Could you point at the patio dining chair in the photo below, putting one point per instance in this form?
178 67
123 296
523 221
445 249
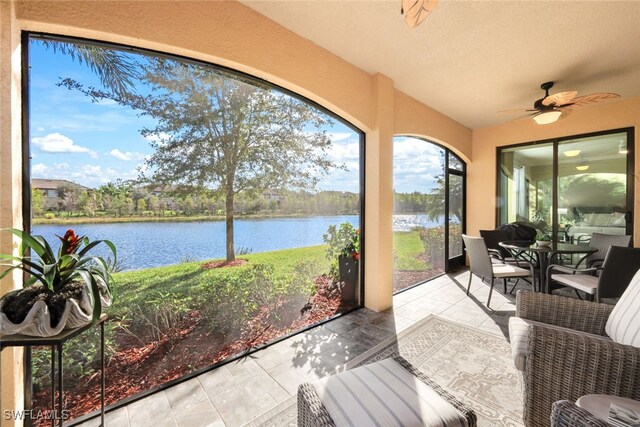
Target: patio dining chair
602 242
481 265
499 254
619 267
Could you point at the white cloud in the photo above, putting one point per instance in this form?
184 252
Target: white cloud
339 136
126 156
38 169
157 137
58 143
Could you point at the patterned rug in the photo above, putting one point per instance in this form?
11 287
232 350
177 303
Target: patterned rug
474 366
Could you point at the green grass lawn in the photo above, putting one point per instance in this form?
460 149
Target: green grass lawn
186 280
406 247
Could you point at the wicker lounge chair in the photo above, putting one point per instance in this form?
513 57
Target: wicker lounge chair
567 348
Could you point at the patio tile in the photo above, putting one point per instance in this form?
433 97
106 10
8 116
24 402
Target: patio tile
236 406
152 410
115 418
203 414
264 384
186 395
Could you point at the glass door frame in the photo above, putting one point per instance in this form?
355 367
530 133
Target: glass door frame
630 132
454 262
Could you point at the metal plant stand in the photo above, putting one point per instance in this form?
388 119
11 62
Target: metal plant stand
56 343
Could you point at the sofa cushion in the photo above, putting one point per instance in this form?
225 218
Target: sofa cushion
519 338
623 324
384 393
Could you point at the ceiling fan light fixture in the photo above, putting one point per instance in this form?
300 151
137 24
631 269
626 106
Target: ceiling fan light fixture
547 117
572 153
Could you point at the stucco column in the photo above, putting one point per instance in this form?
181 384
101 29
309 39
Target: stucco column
379 199
11 366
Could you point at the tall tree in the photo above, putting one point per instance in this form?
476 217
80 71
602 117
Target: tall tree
217 131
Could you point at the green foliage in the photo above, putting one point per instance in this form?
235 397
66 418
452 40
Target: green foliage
342 241
71 263
37 202
433 241
233 300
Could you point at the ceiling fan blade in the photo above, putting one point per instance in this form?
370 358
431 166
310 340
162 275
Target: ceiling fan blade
416 11
593 98
559 99
517 110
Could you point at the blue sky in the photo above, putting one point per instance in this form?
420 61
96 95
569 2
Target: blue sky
95 143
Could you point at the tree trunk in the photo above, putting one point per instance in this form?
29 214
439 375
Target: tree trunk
231 252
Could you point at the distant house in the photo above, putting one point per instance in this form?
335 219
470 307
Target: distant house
50 189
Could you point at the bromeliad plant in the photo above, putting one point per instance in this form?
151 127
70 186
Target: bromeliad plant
72 263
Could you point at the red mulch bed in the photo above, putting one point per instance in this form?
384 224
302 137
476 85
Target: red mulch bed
137 367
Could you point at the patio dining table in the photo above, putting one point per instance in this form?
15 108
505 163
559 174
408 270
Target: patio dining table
545 254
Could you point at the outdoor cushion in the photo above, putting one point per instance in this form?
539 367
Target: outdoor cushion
384 393
519 337
581 282
507 270
623 325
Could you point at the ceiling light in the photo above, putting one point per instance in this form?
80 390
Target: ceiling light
582 166
572 153
547 117
622 148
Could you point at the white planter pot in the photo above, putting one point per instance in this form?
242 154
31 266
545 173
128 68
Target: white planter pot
37 323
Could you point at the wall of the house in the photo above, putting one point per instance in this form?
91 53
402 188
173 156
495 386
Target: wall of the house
10 188
232 35
481 195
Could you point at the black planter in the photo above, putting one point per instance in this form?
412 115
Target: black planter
349 269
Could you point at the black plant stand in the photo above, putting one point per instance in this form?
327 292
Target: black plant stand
56 342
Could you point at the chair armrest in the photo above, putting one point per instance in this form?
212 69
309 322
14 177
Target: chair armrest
569 270
567 414
495 253
311 411
561 311
567 365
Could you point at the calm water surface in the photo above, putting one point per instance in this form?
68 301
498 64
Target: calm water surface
154 244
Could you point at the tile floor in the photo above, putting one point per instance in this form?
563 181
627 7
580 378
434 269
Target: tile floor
241 390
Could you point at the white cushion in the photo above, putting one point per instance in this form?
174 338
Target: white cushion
519 338
507 270
623 325
599 404
581 282
384 393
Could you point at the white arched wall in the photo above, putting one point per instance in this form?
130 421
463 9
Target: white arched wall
229 34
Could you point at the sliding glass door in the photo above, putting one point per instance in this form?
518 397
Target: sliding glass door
570 187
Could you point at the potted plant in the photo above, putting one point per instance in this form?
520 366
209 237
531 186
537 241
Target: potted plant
344 253
67 289
543 239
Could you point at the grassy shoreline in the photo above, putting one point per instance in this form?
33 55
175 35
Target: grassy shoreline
175 218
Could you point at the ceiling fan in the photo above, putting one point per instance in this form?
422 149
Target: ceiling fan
550 108
416 11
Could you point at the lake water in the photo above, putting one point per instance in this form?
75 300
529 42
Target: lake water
154 244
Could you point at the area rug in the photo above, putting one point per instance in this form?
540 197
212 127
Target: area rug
474 366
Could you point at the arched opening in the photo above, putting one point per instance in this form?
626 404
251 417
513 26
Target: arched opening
235 207
429 210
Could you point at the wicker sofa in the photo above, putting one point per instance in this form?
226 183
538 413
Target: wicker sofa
568 354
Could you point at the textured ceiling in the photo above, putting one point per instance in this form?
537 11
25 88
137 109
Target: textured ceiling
470 59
